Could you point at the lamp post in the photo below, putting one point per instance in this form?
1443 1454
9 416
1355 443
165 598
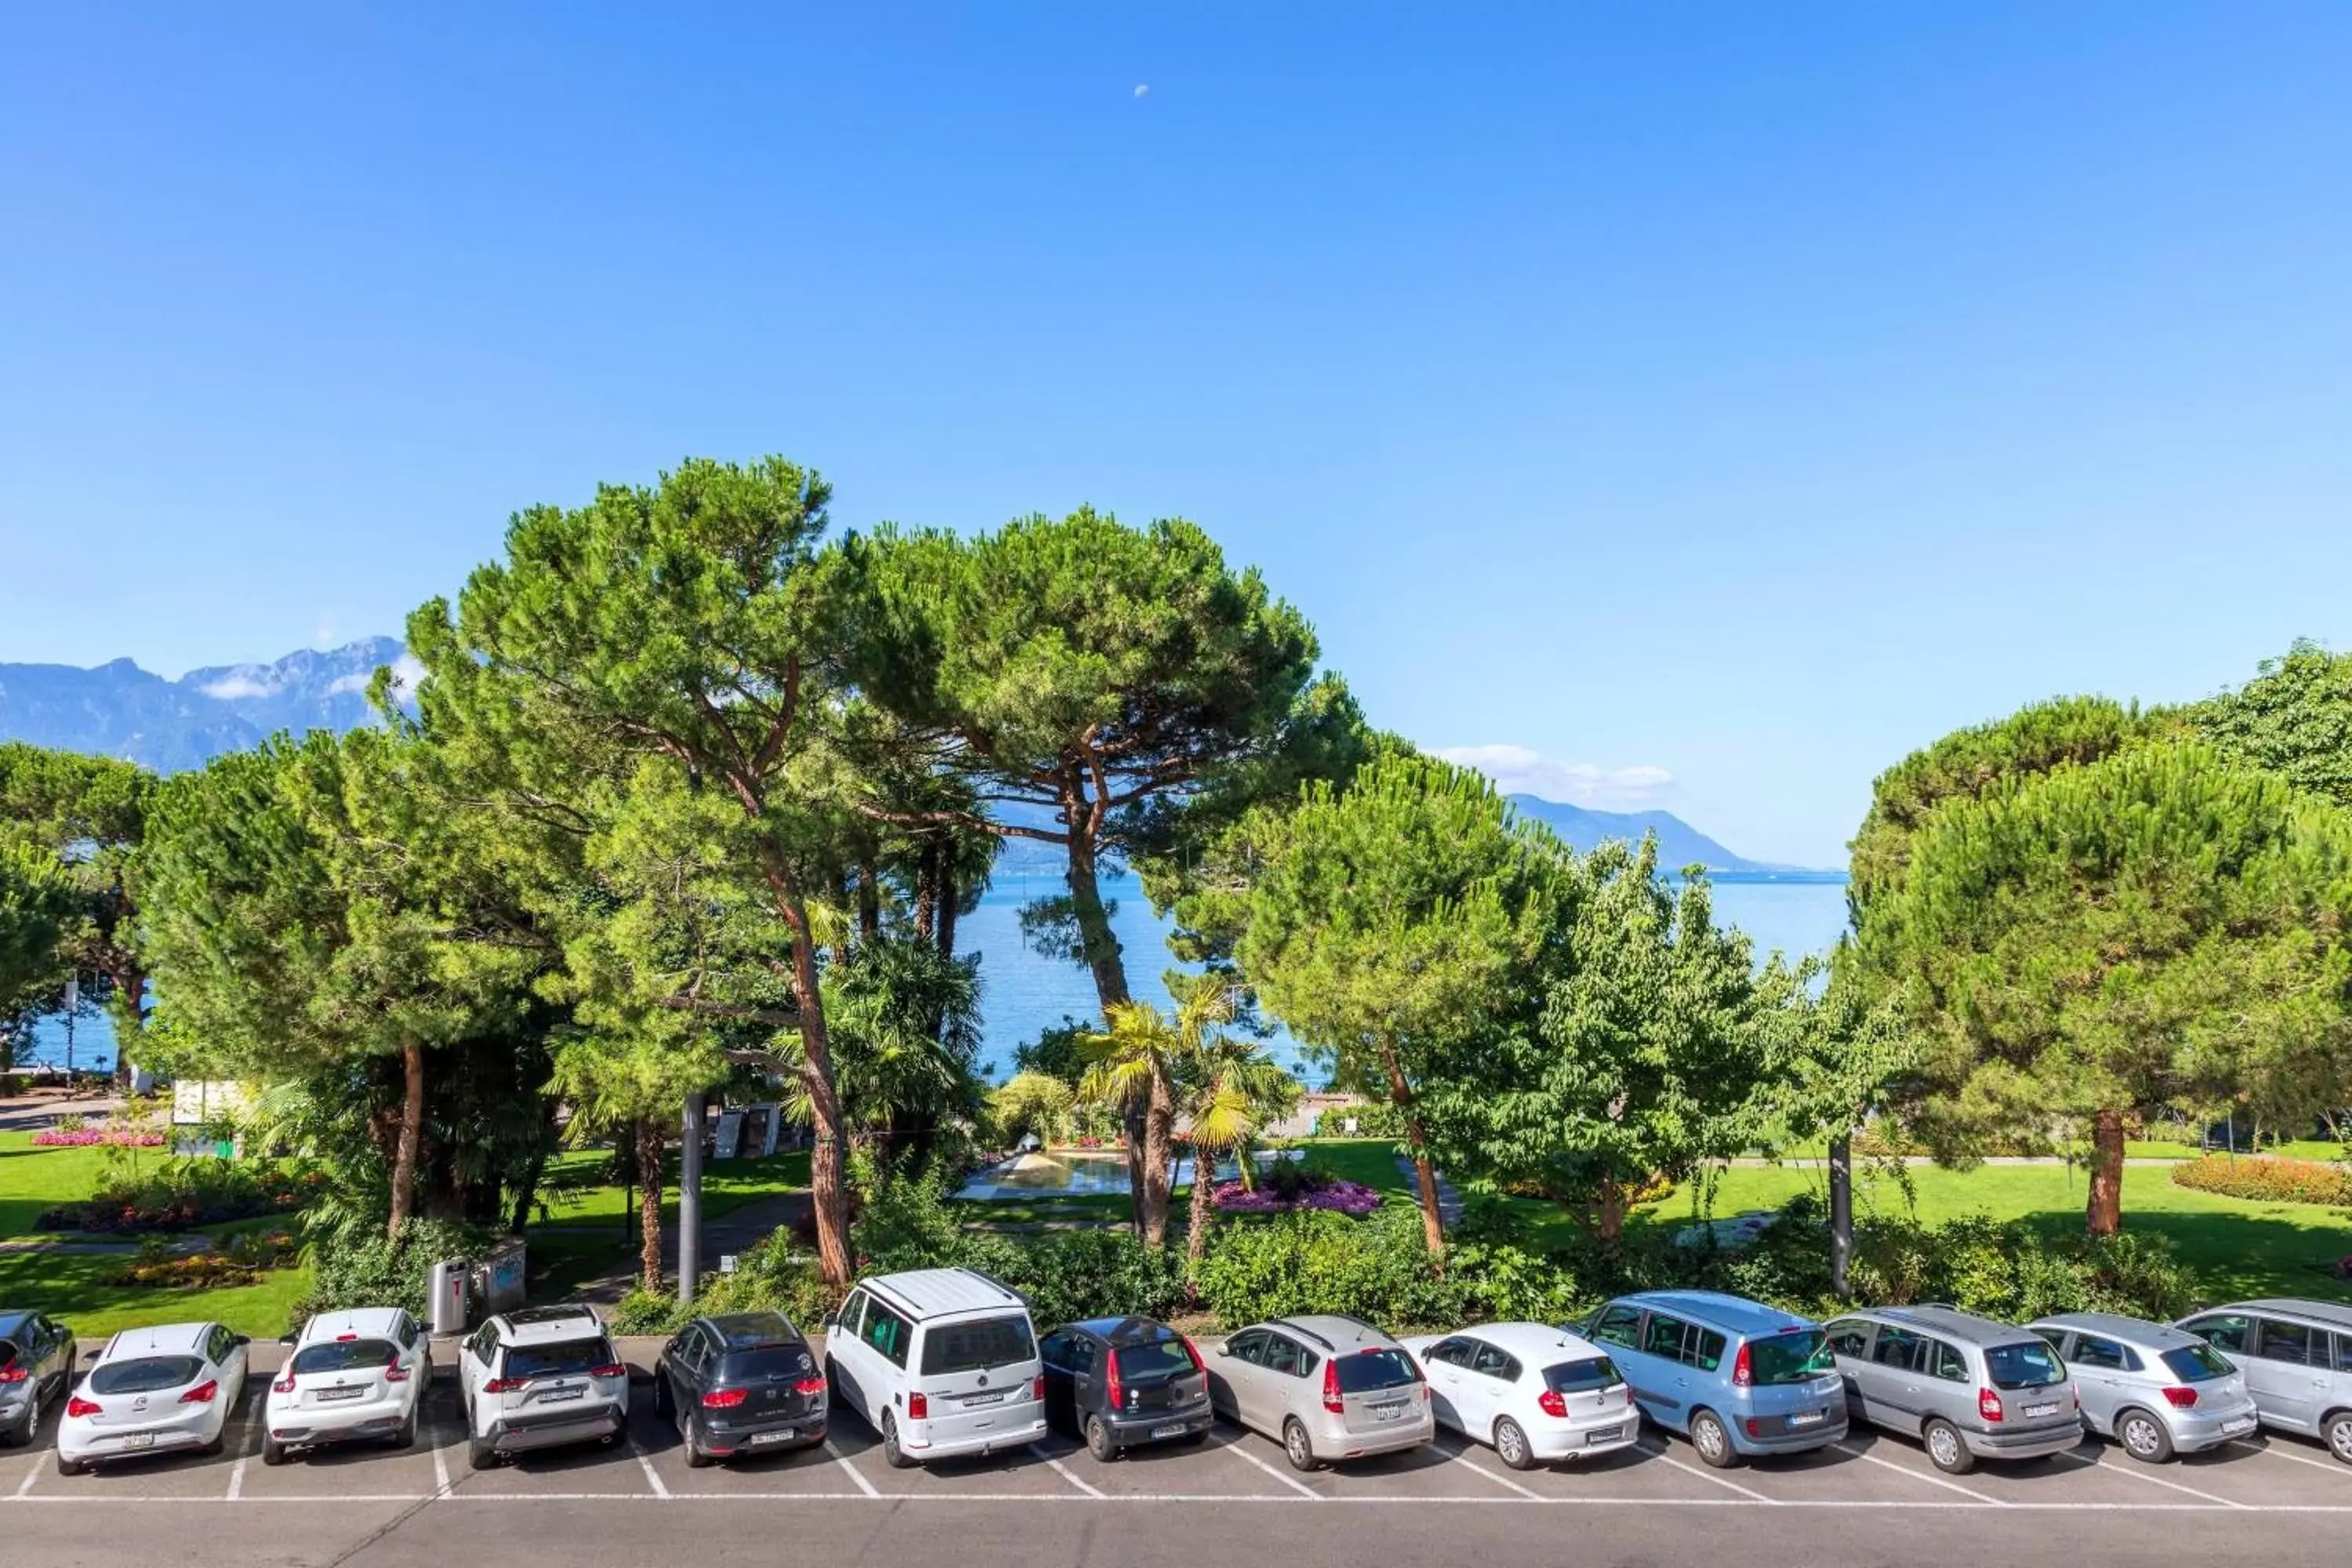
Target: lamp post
690 1202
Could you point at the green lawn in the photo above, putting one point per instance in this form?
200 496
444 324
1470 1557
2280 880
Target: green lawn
574 1193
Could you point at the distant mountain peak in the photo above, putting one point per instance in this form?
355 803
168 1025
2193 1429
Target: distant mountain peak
1680 846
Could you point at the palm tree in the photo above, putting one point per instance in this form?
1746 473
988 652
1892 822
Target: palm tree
1133 1066
1231 1091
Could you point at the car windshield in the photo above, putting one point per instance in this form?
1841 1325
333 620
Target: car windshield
561 1358
976 1346
774 1363
345 1355
2199 1364
1165 1358
1790 1358
1368 1371
2026 1364
147 1374
1582 1377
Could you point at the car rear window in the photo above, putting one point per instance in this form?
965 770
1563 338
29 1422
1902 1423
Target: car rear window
2026 1364
976 1346
2198 1364
345 1355
1368 1371
147 1374
1582 1377
7 1353
770 1364
1164 1358
1790 1358
564 1358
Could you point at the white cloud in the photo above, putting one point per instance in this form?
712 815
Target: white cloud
1516 770
407 675
1142 88
341 684
236 688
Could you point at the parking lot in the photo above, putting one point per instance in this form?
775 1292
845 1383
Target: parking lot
1871 1493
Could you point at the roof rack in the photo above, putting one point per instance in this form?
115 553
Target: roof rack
1303 1331
1000 1284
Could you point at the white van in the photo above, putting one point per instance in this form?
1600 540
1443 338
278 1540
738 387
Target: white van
942 1362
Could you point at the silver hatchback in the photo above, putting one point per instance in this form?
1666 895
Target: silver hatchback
2156 1390
1968 1388
1326 1387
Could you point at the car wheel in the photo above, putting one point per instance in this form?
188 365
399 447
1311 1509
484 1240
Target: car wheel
892 1455
404 1435
273 1452
212 1450
70 1466
1098 1441
696 1459
1946 1451
2338 1430
1712 1438
1511 1446
2143 1436
1297 1446
22 1437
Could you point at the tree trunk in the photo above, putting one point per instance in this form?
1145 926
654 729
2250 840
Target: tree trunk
129 1011
1099 943
649 1203
1204 1178
869 905
526 1192
1425 1173
828 1195
1159 1139
948 895
928 862
412 1131
2104 1215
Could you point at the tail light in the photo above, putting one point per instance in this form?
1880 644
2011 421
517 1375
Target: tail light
77 1405
1114 1390
1551 1401
203 1394
1988 1404
2181 1397
14 1373
393 1372
918 1407
812 1386
724 1398
285 1384
345 1338
1629 1393
610 1369
1037 1388
1743 1371
1331 1400
504 1384
1198 1365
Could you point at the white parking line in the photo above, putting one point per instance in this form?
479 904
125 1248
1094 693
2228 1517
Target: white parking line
2276 1452
1918 1476
864 1486
1062 1470
1462 1457
646 1463
245 1449
1831 1505
2137 1474
25 1487
1235 1449
433 1434
1660 1453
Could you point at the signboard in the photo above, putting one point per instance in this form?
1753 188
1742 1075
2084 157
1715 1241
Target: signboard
730 1141
207 1100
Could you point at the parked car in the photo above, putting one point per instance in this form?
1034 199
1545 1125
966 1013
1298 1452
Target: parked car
2297 1358
1739 1378
1968 1388
349 1378
153 1390
540 1378
1122 1383
36 1364
1537 1393
1327 1387
942 1362
2158 1391
741 1383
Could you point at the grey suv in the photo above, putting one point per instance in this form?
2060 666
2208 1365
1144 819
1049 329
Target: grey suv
1968 1388
2297 1358
1329 1387
2157 1390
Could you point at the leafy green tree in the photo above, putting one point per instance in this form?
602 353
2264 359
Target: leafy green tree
906 1032
654 675
1659 1046
1393 929
2293 718
634 1088
35 906
2156 928
1032 1103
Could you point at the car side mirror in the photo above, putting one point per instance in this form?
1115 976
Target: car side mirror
1225 1350
241 1340
289 1340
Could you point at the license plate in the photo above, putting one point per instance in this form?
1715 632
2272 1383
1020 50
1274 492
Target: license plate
782 1435
2030 1411
1807 1418
1386 1412
140 1440
1604 1435
2239 1423
556 1395
328 1395
1176 1431
996 1398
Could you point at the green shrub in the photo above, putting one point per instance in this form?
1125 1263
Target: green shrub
382 1273
1373 1119
1316 1260
643 1311
2267 1179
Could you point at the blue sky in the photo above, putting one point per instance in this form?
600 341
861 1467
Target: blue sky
1710 403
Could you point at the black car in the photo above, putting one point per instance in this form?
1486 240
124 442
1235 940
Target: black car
36 1363
1121 1383
741 1383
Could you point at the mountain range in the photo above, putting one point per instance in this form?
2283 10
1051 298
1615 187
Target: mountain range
122 710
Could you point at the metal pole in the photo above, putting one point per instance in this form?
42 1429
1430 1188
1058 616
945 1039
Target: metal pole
73 1001
1840 1211
690 1202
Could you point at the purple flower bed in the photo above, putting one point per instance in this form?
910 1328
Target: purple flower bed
129 1138
1346 1197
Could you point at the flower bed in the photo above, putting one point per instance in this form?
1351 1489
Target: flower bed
1342 1196
91 1137
185 1195
2265 1178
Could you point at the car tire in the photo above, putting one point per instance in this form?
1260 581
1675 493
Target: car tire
1947 1450
1712 1438
71 1466
1098 1441
404 1435
212 1450
2143 1436
30 1429
1297 1446
273 1452
1511 1446
894 1455
696 1459
2338 1430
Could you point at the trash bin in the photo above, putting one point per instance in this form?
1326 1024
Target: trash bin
448 1297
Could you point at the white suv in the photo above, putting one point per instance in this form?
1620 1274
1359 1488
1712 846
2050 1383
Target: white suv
543 1377
348 1378
942 1362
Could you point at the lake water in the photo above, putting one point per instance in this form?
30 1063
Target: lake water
1023 995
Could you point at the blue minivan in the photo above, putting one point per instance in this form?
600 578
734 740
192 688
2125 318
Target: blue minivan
1737 1377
